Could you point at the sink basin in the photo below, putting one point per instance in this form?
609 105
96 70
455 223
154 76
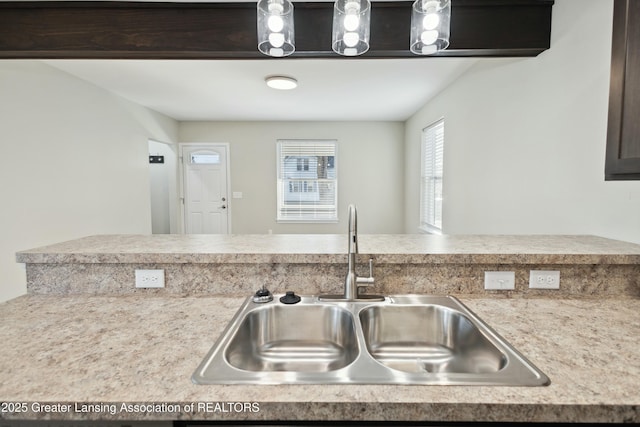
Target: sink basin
299 338
428 338
405 339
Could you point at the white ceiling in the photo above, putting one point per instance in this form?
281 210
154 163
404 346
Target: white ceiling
220 90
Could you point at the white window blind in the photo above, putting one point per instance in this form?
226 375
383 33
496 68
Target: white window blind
431 186
307 181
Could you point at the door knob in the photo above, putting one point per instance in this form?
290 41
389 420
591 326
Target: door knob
223 207
224 199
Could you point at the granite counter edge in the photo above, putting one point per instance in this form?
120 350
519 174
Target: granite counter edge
343 411
297 258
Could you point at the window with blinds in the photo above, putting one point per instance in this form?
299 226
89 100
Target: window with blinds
431 185
307 181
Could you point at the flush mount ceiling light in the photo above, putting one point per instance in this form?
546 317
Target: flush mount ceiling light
351 24
281 82
276 35
430 26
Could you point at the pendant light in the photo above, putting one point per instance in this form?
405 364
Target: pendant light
275 28
351 19
430 26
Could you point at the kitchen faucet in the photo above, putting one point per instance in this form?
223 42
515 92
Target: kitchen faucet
352 280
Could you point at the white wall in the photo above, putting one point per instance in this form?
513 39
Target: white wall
525 139
370 171
74 163
163 187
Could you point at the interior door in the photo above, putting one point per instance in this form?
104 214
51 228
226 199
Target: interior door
205 189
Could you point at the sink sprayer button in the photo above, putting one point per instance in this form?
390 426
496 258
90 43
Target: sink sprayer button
290 298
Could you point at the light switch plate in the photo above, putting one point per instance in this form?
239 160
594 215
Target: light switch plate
499 280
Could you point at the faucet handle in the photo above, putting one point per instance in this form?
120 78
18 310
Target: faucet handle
367 281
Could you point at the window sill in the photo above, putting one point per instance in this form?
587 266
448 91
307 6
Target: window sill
308 221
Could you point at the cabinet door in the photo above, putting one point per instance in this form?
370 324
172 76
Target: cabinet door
623 135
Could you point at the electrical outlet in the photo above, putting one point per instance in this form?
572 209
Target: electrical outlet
544 279
149 278
500 280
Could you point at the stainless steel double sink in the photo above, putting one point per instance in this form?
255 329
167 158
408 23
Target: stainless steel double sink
405 339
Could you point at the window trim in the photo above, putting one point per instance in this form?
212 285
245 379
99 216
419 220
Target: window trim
424 224
279 188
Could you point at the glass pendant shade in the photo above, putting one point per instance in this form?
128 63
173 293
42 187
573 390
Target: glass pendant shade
430 26
276 35
351 19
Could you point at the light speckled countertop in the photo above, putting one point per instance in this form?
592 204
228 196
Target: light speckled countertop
74 347
387 248
144 349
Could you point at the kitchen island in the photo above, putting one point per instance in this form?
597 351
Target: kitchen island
97 345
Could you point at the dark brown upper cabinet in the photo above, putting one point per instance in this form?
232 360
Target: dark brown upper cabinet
623 134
